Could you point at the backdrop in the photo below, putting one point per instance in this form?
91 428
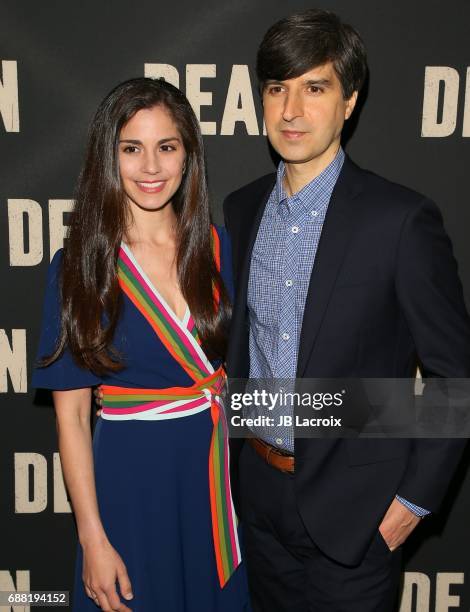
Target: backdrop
58 60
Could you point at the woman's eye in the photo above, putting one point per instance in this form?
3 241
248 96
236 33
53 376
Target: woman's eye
167 148
130 149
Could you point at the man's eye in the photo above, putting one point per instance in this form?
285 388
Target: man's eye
314 89
275 89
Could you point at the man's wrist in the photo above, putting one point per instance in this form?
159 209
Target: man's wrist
416 510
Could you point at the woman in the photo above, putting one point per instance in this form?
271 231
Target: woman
137 303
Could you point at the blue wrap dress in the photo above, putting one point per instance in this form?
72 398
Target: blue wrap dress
151 476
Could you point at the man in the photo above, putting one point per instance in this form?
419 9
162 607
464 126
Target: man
339 274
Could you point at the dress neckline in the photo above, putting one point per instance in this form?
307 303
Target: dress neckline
187 314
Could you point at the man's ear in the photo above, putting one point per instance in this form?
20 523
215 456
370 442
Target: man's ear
350 104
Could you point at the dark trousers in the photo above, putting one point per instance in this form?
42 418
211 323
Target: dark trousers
286 571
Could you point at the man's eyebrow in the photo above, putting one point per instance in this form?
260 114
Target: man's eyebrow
139 142
324 82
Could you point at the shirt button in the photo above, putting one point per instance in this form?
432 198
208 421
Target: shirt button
285 336
279 440
295 229
289 283
314 213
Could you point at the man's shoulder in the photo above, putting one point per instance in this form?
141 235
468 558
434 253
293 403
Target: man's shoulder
256 189
385 193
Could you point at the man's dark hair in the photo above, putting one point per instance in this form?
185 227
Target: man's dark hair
305 40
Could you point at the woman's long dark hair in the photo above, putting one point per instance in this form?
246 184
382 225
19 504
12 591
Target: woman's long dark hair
91 296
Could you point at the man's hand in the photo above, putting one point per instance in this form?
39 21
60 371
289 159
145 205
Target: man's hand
397 524
98 394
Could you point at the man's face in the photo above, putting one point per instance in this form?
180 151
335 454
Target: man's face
304 116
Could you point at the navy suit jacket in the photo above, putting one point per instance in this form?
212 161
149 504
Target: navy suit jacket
384 297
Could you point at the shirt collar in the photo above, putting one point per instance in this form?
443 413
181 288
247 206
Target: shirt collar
318 191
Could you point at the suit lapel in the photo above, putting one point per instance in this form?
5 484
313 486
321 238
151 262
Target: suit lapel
338 228
252 224
250 215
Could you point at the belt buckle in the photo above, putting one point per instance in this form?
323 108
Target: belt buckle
270 449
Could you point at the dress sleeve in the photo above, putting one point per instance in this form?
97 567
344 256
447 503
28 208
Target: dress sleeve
64 373
226 260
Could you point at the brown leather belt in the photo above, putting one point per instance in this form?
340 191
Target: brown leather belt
273 456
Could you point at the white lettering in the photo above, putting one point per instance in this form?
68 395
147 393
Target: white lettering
8 584
239 105
9 107
433 76
23 504
466 111
444 600
166 71
198 98
18 212
57 229
415 581
13 361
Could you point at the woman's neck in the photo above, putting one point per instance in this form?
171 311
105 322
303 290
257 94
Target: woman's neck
151 227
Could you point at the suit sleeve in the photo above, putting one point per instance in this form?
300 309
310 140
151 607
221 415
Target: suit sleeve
431 296
225 207
232 239
236 444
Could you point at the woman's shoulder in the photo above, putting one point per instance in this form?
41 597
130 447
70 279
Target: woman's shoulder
52 285
56 263
53 273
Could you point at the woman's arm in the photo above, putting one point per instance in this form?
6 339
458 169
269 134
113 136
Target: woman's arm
102 565
74 432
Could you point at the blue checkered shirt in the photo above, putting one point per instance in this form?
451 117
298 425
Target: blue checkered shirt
281 265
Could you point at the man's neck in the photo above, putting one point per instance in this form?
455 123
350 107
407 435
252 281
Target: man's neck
298 175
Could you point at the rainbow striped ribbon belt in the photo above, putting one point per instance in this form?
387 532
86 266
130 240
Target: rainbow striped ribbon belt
124 403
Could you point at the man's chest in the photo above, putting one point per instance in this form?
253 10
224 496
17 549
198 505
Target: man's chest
281 262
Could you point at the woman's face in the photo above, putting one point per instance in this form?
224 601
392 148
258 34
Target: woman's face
151 158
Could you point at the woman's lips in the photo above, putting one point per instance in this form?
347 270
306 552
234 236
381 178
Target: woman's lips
151 186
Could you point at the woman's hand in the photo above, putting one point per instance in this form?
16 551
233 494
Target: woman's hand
102 566
98 396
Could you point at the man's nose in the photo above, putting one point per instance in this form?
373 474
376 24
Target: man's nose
293 106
